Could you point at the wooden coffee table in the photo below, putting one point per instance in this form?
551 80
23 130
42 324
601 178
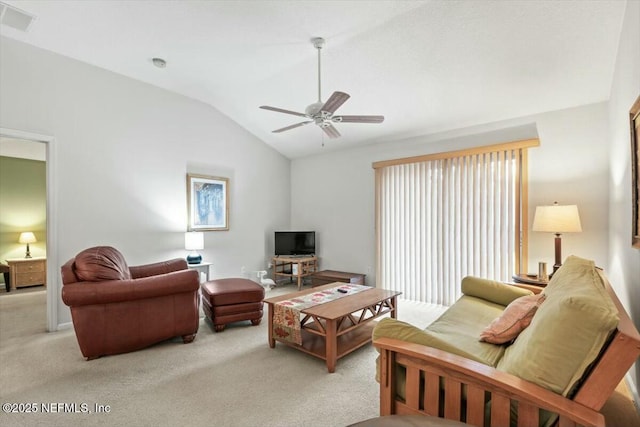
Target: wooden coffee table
336 328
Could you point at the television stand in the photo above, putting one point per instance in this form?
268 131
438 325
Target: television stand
299 267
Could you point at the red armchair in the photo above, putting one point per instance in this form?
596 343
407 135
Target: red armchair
118 309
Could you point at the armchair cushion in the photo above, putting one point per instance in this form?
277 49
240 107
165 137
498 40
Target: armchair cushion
567 332
492 291
101 263
163 267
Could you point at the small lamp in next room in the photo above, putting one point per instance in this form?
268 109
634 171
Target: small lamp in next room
194 241
557 219
27 237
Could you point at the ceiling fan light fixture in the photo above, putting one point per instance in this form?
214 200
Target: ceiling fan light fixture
313 109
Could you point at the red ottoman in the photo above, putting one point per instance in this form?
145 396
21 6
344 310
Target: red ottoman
232 300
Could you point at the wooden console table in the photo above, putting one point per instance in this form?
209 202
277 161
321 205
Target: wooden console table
27 272
329 276
298 267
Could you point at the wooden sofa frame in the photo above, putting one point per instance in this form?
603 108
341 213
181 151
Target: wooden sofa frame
445 377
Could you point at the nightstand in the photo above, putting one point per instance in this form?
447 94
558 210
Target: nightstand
27 272
203 267
529 279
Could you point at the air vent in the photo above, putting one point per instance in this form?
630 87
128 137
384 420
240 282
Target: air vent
15 18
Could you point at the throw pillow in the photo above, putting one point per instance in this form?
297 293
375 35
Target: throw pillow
514 319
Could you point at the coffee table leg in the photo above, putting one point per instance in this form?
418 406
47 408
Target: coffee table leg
331 344
394 303
272 342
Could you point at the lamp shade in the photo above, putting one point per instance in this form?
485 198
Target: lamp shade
557 219
27 237
193 240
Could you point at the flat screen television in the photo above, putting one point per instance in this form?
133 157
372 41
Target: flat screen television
295 243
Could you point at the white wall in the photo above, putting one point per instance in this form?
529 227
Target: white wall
624 260
571 167
123 149
334 193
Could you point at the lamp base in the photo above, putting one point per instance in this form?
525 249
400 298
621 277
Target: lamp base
194 259
558 253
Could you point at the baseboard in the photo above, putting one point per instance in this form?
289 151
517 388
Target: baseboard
63 326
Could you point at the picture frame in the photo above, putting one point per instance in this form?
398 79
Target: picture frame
634 124
207 203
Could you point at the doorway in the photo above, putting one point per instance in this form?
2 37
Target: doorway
51 253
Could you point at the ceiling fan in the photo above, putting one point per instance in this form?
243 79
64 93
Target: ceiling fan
322 113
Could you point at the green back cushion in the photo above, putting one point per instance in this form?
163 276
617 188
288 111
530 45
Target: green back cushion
567 332
490 290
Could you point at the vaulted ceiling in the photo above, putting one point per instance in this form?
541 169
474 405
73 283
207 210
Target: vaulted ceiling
427 66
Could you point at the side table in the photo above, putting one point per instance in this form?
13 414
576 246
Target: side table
27 272
202 267
529 279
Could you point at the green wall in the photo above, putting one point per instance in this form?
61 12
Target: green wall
23 206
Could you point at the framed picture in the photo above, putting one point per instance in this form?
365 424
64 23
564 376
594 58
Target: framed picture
634 120
207 202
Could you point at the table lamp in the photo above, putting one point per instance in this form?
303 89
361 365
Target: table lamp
27 237
557 219
194 241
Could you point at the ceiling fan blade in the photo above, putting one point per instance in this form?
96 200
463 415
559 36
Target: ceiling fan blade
334 102
292 126
358 119
331 131
280 110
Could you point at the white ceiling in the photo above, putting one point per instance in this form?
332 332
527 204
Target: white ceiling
427 66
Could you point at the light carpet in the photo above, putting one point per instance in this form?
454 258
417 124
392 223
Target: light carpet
230 378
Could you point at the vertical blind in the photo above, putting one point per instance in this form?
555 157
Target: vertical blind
444 217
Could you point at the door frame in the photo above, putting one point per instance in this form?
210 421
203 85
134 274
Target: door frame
53 284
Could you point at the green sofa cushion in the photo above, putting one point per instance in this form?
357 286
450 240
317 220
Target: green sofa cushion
567 332
490 290
458 330
455 331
